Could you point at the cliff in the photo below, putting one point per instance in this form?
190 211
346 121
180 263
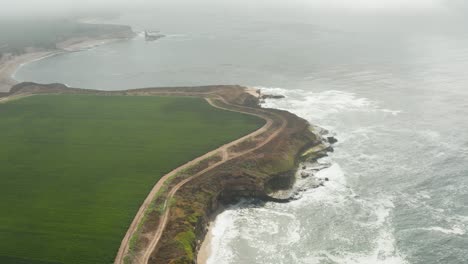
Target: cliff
255 174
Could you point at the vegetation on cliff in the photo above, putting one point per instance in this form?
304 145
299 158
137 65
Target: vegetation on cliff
254 167
251 176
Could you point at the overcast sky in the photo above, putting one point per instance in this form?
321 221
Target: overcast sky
46 7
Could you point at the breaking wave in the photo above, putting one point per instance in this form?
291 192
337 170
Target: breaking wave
329 224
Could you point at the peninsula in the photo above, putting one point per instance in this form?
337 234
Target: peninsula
170 225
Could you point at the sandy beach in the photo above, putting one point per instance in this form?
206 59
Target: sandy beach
10 64
205 249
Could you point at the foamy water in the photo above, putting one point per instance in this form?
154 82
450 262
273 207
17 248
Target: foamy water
294 232
348 221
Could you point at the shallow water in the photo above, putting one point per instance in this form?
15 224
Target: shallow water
396 100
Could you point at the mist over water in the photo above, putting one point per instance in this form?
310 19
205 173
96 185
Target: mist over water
388 80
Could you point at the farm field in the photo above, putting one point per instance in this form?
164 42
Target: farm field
74 169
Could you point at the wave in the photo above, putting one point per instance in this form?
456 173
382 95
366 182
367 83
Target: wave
289 233
321 104
320 108
455 230
383 253
221 234
329 224
337 196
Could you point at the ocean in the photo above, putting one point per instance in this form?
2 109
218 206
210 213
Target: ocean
392 88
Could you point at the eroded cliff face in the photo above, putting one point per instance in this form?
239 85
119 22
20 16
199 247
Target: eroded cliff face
254 175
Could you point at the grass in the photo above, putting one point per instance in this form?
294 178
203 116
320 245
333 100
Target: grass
185 240
76 168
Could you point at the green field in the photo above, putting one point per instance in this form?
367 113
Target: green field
74 169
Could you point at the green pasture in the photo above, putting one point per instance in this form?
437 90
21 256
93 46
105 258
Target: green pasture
74 169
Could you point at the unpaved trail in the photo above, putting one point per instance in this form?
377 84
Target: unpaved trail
13 97
164 219
223 150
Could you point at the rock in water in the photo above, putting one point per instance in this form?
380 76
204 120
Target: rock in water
272 96
332 140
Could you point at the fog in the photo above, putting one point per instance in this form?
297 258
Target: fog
32 8
397 16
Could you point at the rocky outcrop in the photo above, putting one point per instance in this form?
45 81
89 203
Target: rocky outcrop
332 140
272 96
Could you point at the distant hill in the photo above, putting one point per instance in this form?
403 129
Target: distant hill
16 36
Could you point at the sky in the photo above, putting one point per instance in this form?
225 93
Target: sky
25 8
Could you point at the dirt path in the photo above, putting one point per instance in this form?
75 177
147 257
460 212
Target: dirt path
164 219
223 150
12 97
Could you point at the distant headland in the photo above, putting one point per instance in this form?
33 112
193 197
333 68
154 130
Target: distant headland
26 41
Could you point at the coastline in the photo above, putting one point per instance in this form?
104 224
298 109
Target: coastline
157 233
204 251
9 66
169 237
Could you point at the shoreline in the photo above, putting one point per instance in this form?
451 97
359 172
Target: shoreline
204 252
221 185
203 164
222 174
10 66
205 249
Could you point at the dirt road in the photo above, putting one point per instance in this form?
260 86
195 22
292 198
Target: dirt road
163 221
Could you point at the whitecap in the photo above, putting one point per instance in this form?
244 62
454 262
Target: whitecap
316 106
279 224
384 252
455 230
221 235
392 112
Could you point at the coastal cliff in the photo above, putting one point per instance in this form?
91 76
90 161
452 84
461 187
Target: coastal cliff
256 174
173 222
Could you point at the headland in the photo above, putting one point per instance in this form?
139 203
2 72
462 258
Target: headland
74 37
173 221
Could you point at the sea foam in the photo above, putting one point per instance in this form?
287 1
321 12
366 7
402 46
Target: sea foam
324 225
